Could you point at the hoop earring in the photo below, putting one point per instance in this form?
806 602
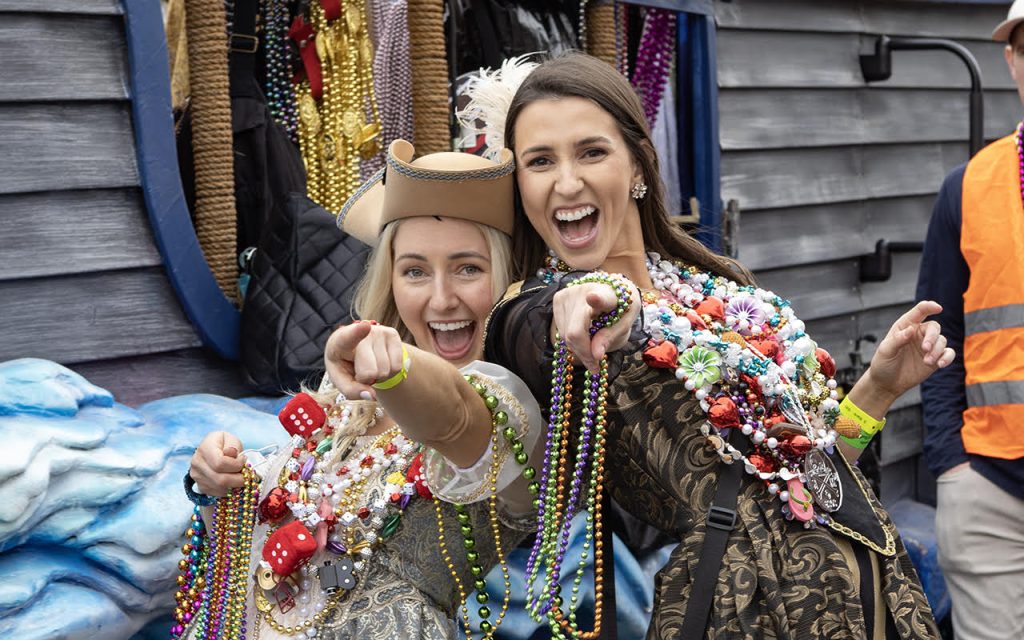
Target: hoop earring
638 191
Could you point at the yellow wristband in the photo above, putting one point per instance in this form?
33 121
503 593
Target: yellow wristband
394 380
868 425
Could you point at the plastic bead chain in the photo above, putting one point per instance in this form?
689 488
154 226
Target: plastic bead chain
499 420
279 90
334 136
743 353
367 495
212 587
555 508
1019 138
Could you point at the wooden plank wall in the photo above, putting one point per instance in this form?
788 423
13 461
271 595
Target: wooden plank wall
824 165
81 281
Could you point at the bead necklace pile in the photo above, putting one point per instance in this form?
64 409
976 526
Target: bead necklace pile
218 609
335 135
555 509
349 511
744 354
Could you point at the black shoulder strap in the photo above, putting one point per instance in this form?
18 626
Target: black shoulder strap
242 47
721 520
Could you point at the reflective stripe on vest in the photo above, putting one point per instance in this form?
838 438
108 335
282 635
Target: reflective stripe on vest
992 243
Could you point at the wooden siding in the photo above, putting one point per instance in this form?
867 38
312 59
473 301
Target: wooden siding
76 318
81 280
66 235
77 49
824 164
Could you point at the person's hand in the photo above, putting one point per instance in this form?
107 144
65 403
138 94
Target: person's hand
575 309
360 354
217 464
911 350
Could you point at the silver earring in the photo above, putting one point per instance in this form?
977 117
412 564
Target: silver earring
638 191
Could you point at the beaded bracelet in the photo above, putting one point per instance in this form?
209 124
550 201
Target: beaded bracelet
623 288
198 499
868 426
394 380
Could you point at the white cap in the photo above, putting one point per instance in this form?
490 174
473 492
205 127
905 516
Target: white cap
1013 18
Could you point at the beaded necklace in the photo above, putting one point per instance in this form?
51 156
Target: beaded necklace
212 587
279 89
556 509
349 510
335 135
654 59
1019 138
499 421
744 354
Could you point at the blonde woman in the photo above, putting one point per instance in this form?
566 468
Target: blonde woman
379 569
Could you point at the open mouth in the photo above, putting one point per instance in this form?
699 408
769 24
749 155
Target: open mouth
577 227
453 340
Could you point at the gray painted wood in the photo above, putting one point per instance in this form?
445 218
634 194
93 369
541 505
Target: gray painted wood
79 318
62 57
816 60
819 233
137 380
834 288
87 7
793 177
778 118
64 232
63 147
921 19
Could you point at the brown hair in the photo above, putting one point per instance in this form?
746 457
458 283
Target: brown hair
582 76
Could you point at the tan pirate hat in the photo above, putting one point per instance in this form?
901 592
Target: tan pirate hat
450 184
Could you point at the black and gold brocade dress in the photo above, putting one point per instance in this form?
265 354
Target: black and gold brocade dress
778 580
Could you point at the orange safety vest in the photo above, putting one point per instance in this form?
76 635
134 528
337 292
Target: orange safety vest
992 243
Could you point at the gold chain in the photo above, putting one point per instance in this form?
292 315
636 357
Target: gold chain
334 136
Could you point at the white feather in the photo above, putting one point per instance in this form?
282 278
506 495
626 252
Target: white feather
490 95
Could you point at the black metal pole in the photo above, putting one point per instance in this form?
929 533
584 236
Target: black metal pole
879 67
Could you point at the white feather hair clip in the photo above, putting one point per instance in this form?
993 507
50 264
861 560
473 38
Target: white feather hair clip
490 96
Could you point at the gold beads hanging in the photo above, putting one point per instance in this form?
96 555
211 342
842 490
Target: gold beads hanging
344 128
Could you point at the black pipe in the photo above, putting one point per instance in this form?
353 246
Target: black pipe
878 66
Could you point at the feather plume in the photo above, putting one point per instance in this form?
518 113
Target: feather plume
490 95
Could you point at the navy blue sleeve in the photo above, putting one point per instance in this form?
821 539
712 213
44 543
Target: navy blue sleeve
943 278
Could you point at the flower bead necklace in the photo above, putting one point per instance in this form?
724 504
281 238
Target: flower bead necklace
743 353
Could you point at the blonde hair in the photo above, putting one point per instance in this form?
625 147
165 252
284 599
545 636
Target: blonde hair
375 300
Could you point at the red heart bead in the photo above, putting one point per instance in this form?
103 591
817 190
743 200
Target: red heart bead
827 362
723 413
662 356
712 307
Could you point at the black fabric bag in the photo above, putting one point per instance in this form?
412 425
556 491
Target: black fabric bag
303 277
303 270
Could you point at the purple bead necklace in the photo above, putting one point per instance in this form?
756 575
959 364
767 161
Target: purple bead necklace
654 59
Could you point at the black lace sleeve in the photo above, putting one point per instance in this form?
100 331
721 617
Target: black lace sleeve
519 336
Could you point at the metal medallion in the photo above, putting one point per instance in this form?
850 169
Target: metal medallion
823 480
